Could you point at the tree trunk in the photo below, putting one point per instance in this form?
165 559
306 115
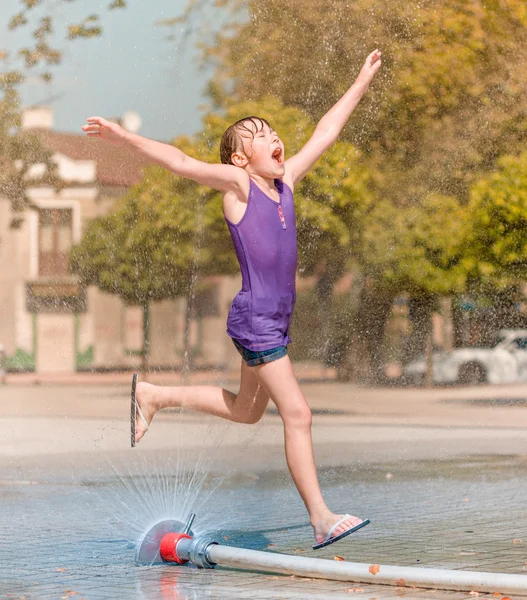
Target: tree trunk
145 354
364 361
421 341
324 290
187 352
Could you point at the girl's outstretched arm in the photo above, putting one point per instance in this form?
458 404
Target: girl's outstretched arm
331 124
225 178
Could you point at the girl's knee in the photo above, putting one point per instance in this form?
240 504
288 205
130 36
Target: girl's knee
298 416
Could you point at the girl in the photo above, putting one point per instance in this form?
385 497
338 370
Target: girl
257 185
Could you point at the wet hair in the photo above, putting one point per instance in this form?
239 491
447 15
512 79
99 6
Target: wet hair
232 139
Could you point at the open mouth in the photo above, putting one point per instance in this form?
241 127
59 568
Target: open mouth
278 156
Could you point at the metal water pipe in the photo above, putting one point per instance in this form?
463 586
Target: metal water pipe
181 547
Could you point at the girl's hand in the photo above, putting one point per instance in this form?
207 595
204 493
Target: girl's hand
111 132
371 66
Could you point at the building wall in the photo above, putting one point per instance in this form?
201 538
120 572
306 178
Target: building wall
55 343
108 334
16 324
107 314
9 280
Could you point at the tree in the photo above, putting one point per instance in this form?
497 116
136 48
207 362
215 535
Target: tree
413 250
498 214
153 246
20 151
40 17
450 99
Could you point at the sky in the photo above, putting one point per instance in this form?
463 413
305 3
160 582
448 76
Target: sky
133 66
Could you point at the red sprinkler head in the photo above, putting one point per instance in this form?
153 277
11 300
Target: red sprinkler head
168 545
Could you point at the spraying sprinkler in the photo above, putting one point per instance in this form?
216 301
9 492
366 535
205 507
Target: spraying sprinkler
173 542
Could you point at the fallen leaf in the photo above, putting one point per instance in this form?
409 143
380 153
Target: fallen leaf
338 558
505 598
353 590
400 583
60 570
374 569
271 545
517 542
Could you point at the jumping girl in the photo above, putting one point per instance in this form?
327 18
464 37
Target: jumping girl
257 184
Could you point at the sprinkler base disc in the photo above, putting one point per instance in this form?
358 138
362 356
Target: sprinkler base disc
148 549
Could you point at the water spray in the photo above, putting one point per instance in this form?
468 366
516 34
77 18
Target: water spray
173 542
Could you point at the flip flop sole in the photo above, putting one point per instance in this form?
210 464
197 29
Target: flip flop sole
342 535
133 410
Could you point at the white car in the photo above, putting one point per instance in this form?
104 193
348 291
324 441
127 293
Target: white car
504 362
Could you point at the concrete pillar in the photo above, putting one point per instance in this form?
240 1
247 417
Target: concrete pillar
163 334
107 328
55 343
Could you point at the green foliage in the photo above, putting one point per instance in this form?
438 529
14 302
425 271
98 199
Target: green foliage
21 361
149 249
451 96
417 249
20 150
40 17
84 360
498 235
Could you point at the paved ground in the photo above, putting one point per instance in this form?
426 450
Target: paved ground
441 474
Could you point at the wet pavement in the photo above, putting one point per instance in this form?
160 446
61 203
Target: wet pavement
72 515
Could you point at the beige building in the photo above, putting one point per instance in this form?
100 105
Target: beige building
48 322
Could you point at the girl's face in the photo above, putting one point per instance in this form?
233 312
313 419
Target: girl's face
264 152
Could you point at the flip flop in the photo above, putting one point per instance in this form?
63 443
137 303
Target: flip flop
331 540
135 410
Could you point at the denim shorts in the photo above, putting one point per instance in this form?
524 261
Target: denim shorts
253 358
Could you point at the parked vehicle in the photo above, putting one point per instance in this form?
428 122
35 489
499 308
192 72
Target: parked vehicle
505 361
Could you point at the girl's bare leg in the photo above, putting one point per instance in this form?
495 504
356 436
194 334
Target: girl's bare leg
247 406
282 386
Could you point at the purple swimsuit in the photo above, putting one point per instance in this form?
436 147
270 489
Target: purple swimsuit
265 244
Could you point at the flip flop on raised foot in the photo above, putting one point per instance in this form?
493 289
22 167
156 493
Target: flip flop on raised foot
331 540
135 410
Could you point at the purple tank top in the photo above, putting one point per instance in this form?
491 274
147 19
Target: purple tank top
265 244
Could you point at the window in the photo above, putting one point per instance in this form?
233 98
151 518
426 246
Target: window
54 241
